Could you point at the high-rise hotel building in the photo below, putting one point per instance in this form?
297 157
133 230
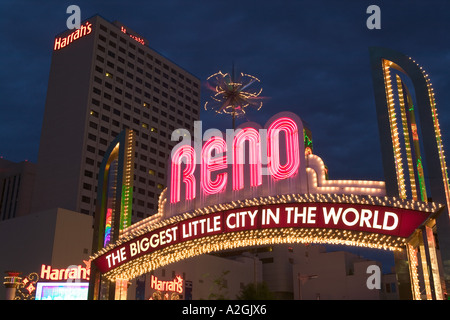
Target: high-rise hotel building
104 78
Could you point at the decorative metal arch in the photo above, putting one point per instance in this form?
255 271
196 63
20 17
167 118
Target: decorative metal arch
411 142
114 203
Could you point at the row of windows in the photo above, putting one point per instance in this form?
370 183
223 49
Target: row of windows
126 62
127 84
138 53
145 114
140 90
152 161
143 129
117 101
132 66
139 214
142 203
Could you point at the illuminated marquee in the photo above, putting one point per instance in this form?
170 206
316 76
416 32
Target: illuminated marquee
62 42
275 151
257 186
356 219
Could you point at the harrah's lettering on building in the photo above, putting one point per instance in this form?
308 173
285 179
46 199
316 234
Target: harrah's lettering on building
74 273
62 42
175 285
250 161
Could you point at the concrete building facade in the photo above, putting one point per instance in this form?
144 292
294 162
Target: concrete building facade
57 237
102 80
16 188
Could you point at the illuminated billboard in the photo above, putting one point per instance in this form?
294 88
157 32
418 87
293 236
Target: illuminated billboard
62 291
254 186
357 224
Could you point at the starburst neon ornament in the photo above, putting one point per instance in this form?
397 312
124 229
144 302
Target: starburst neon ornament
233 96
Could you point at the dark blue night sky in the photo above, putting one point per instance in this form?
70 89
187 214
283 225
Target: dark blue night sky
311 56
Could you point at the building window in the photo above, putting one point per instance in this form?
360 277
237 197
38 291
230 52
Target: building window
87 186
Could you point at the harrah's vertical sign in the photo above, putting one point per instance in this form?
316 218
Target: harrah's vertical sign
62 42
247 162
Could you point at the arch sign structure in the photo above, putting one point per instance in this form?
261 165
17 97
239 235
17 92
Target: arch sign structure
262 185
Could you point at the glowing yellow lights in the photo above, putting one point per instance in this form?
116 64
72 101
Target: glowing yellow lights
318 183
233 96
249 238
386 67
255 237
413 270
407 138
394 129
437 130
157 220
127 183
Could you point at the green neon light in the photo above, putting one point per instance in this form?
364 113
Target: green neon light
307 140
126 207
423 193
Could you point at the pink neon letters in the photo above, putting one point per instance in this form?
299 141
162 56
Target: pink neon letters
252 135
186 153
277 170
283 160
210 165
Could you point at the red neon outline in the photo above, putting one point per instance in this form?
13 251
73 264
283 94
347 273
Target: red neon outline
217 163
252 136
187 152
290 168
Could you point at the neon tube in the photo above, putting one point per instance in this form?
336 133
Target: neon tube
252 136
290 168
188 153
210 165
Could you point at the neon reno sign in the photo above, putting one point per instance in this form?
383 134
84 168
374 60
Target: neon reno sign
357 219
62 42
247 158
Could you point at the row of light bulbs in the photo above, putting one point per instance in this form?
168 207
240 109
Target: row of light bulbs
251 238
